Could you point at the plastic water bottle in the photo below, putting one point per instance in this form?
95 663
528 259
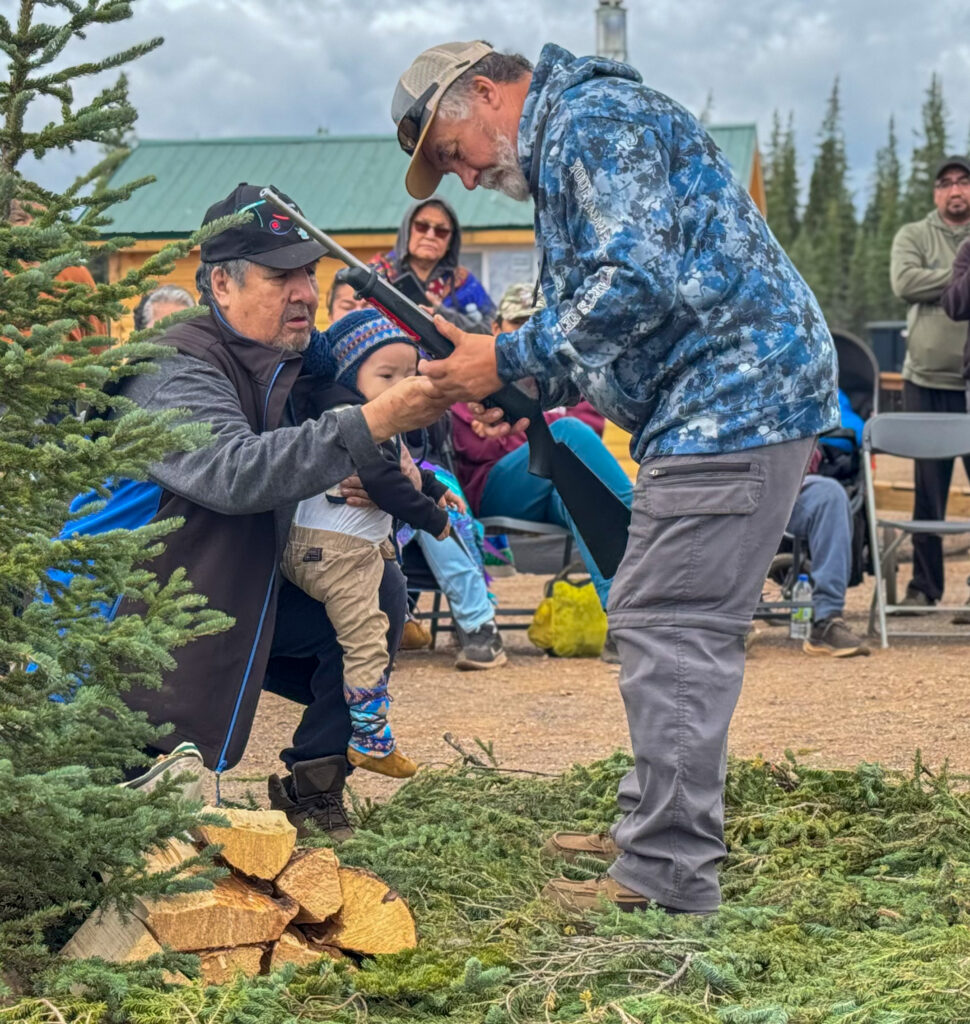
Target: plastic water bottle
800 626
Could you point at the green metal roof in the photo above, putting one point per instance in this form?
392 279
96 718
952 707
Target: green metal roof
739 143
349 183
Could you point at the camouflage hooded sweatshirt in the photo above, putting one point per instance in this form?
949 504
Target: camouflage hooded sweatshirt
670 306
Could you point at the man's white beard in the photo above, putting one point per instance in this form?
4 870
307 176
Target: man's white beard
506 176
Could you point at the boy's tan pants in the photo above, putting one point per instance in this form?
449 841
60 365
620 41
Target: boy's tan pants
344 574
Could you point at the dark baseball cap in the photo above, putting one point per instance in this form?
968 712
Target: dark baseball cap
269 238
952 161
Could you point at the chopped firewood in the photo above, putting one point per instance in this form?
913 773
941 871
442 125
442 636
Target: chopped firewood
229 914
316 936
295 948
171 855
373 918
111 937
108 936
256 843
311 879
219 966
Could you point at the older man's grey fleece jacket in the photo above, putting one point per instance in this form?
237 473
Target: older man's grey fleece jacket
237 497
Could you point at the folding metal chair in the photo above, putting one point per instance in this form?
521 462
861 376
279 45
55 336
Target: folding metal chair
508 524
909 435
421 580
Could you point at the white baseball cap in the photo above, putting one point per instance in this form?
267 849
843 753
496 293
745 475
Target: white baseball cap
416 98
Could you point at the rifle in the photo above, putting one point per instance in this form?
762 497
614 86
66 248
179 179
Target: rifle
601 518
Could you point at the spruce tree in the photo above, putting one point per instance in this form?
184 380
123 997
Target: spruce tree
71 839
781 182
826 240
930 148
871 295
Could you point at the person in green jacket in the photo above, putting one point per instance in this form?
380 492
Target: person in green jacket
922 260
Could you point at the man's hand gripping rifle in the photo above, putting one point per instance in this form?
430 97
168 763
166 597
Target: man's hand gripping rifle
601 518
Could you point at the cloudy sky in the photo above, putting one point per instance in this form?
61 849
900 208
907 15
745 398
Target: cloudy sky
266 67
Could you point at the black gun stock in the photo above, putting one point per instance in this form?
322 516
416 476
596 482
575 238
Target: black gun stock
601 518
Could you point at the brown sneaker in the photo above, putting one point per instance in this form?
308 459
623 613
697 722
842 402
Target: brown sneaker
833 637
570 846
394 764
573 896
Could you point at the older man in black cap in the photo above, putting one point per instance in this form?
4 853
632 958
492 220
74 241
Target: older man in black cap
239 370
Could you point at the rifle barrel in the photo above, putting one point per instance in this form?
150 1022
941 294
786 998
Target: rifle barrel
311 229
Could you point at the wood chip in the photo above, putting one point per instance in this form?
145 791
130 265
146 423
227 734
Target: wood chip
256 843
219 966
312 880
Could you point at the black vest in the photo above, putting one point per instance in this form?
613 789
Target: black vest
211 695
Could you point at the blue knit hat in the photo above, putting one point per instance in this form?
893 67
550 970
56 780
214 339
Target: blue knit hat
355 336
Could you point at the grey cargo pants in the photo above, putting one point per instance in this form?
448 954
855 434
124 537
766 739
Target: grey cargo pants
702 536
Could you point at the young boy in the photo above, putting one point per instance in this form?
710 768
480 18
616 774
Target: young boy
335 552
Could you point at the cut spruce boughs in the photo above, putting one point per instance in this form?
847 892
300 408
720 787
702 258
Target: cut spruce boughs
846 897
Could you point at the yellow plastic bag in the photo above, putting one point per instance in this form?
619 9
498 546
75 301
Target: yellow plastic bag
569 622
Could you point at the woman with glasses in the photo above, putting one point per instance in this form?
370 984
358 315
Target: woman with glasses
424 265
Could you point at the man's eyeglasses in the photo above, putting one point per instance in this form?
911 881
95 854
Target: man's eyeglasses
425 227
947 183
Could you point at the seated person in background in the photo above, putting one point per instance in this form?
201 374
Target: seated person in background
451 560
22 214
160 303
341 299
456 562
335 552
495 471
822 518
427 254
515 307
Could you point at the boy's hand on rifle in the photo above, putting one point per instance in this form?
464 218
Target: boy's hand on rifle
469 373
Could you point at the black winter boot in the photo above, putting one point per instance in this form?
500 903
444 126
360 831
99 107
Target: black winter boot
314 795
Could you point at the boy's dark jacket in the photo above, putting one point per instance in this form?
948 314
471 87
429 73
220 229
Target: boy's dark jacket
383 480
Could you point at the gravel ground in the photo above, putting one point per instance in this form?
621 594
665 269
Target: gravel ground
545 714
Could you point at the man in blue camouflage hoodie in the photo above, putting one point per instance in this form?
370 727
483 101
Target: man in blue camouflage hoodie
673 310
